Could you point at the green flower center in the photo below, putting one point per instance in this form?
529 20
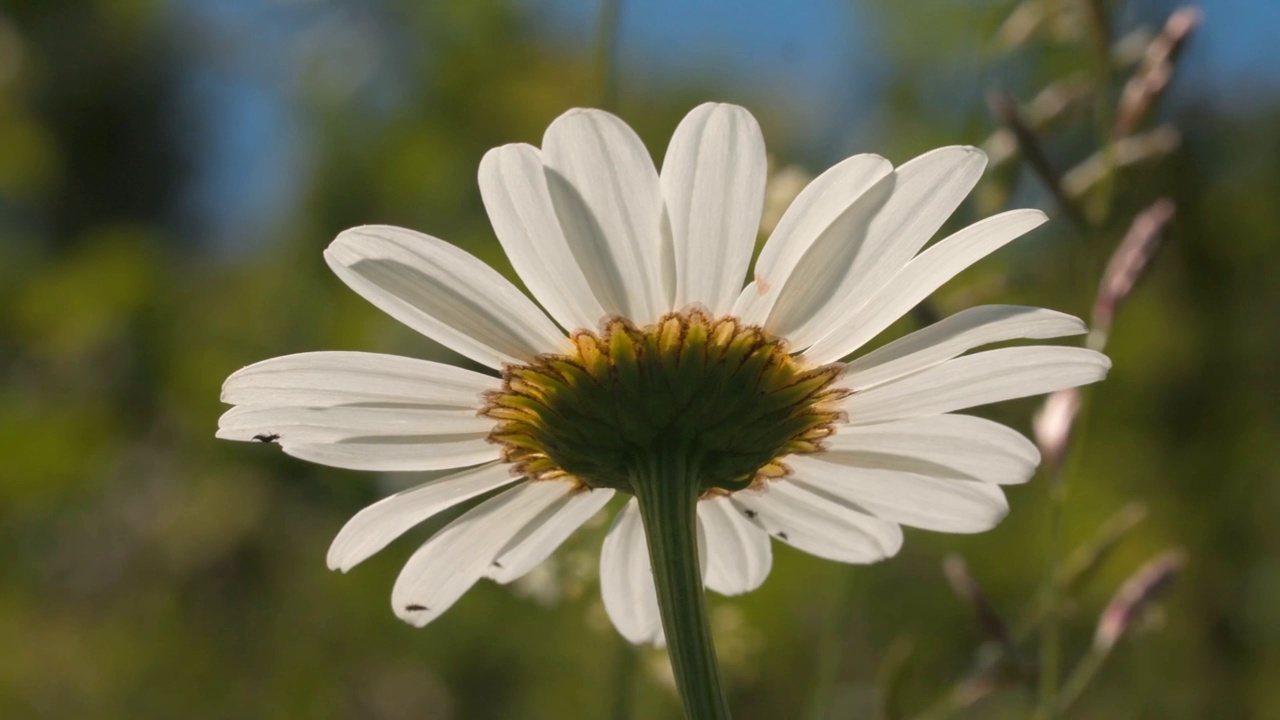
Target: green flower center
726 397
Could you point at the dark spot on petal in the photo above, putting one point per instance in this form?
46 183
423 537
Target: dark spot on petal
267 438
497 564
750 514
416 608
782 536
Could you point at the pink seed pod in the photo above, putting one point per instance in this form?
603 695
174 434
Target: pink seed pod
1136 596
1128 264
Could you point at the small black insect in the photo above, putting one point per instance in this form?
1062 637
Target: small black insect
265 438
782 536
416 608
750 514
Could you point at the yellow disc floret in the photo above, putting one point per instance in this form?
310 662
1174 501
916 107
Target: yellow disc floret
726 396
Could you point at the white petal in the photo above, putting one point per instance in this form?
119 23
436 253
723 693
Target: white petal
513 184
918 279
942 504
541 537
925 192
818 280
399 453
444 293
978 379
713 183
955 335
377 525
448 564
322 379
738 554
606 194
346 422
809 215
626 579
817 525
958 446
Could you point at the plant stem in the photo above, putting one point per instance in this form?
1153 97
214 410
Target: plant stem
1050 637
1079 679
607 53
831 647
1099 208
624 682
668 495
1055 588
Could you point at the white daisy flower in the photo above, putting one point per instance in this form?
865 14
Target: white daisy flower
646 368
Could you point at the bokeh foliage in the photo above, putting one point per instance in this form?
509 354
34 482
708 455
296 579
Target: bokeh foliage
155 573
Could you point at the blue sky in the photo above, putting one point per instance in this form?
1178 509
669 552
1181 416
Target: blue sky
817 47
816 54
808 45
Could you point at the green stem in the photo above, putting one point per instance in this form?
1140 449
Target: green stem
831 647
667 491
624 682
1055 589
1050 638
1079 679
1099 208
607 52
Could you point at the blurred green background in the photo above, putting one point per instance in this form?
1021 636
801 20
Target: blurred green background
170 172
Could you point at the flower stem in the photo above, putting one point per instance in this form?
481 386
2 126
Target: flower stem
667 491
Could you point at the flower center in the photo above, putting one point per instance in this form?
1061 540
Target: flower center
724 396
